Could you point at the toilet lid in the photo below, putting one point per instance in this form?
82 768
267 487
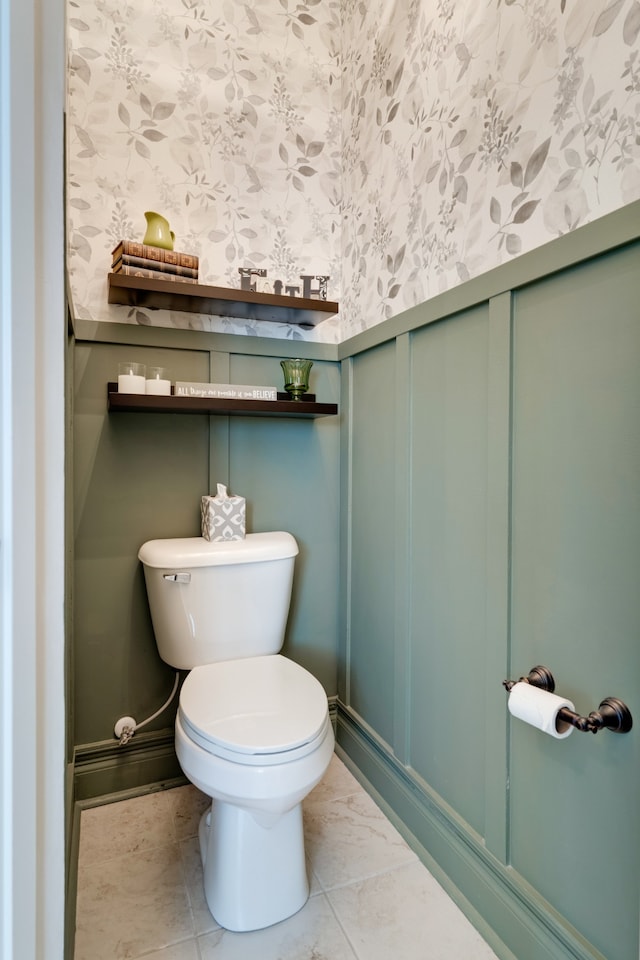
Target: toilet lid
261 705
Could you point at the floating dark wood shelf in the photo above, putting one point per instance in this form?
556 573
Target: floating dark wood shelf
157 294
141 403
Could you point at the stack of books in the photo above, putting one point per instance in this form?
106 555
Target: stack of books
141 260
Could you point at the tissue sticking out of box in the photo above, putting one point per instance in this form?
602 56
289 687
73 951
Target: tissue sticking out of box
223 517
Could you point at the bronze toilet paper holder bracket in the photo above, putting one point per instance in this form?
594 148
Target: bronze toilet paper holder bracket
612 714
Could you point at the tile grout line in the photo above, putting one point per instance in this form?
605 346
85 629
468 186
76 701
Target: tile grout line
183 871
371 876
344 932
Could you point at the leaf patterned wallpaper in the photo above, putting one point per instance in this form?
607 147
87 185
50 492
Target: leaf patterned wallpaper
399 146
476 130
224 117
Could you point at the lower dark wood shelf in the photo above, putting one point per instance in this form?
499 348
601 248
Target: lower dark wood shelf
141 403
157 294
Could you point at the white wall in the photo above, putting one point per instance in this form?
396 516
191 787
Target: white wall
32 343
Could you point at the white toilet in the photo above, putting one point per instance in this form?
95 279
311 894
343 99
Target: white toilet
252 729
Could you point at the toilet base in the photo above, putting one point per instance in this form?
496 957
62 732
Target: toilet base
254 865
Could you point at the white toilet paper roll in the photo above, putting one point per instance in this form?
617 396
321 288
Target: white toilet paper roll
540 709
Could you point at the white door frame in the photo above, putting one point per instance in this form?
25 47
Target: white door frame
32 350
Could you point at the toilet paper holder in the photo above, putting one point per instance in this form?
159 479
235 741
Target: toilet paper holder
612 714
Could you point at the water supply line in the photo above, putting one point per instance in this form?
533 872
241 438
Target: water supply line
126 726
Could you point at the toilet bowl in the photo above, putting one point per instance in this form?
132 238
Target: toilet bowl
255 736
253 729
257 761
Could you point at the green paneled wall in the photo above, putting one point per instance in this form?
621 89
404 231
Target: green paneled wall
447 487
372 522
575 601
141 476
492 454
289 472
136 478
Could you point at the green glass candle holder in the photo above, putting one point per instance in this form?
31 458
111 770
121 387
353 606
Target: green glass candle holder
296 377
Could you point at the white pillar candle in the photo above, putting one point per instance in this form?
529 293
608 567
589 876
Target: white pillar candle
159 388
157 382
130 383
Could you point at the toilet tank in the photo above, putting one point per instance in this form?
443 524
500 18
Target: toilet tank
213 601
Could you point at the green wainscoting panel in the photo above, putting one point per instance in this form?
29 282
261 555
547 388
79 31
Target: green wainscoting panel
575 804
504 437
402 551
140 476
289 472
219 466
496 658
137 477
448 559
346 510
373 518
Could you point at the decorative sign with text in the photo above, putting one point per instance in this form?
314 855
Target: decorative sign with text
313 287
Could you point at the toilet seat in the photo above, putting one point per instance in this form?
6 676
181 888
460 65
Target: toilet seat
255 711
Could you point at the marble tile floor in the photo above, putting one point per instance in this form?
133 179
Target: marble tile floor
140 887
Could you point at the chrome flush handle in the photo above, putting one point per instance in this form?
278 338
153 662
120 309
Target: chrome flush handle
177 577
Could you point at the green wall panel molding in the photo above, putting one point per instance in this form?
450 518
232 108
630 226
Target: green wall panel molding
373 512
219 427
575 603
498 543
72 841
288 471
71 878
93 331
138 477
108 770
402 548
490 466
135 478
345 539
447 487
